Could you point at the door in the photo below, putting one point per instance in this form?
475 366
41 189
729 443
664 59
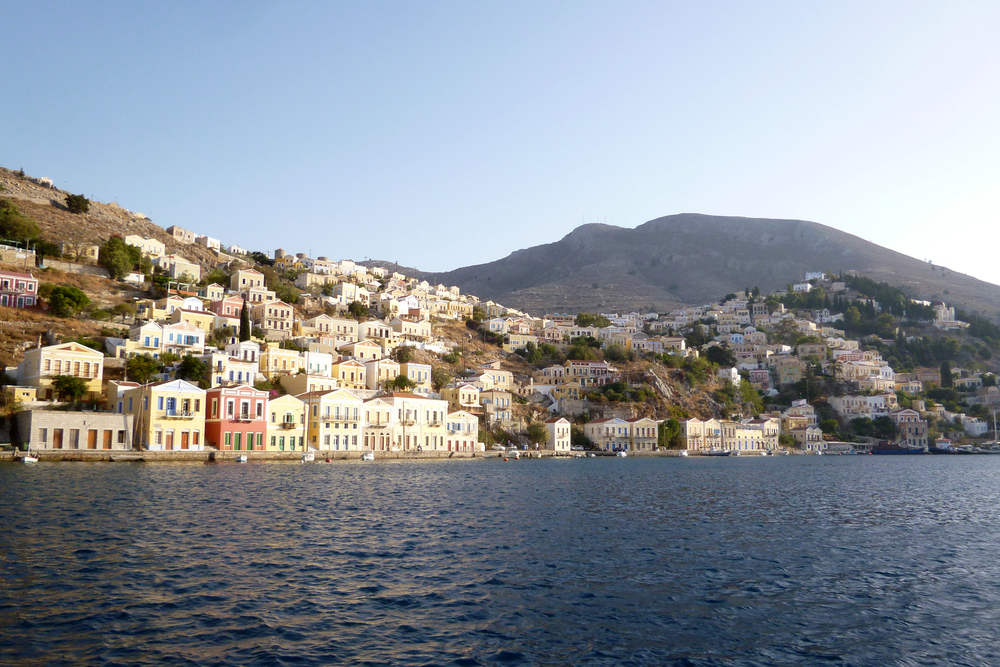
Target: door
57 434
107 440
184 439
92 439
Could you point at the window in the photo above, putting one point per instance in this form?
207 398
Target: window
121 437
159 402
43 435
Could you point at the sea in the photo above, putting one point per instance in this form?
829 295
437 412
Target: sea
853 560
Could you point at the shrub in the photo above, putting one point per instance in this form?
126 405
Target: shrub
77 203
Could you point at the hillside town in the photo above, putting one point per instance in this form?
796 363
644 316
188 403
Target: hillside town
284 352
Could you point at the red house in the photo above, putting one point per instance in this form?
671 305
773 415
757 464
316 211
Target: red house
236 417
18 290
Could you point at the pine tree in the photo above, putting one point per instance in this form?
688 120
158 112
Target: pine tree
244 322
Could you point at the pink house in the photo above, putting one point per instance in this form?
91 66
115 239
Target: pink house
18 290
227 307
236 417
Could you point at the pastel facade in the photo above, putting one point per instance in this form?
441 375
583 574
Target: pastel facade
286 428
44 430
42 365
18 290
167 415
559 435
462 432
236 418
333 420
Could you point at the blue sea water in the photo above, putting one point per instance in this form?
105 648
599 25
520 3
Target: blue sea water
788 560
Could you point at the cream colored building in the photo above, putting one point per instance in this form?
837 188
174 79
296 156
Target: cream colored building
286 426
41 365
333 420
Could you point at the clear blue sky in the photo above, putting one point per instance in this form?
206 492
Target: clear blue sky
442 134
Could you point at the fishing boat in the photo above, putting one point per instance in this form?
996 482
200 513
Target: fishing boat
717 452
368 456
242 458
28 458
621 455
308 457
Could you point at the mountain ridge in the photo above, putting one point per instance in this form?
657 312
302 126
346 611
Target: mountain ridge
692 258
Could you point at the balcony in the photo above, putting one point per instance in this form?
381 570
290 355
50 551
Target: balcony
178 414
377 425
288 425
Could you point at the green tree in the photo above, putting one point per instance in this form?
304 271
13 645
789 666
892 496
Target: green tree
192 369
403 354
720 355
357 310
616 352
750 396
592 320
401 383
142 368
440 378
123 310
14 225
77 203
245 328
287 293
69 386
829 426
68 301
118 257
537 433
668 434
883 428
947 381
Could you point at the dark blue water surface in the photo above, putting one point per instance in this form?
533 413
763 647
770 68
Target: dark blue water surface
791 560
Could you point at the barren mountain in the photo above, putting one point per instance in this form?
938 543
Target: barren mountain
691 258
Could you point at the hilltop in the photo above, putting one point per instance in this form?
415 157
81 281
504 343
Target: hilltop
691 258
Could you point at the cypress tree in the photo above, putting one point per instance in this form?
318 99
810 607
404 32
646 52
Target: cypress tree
244 322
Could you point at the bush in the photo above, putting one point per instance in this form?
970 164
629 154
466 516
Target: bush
68 301
14 225
77 203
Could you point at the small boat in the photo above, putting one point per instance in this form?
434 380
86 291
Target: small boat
308 457
591 455
717 452
28 458
368 456
242 458
621 455
578 455
764 452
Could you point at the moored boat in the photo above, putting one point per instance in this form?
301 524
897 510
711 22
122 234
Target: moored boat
368 456
308 457
242 458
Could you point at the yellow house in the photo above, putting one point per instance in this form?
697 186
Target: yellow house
419 423
303 383
42 364
286 426
203 319
376 426
351 374
462 396
275 361
167 415
419 373
333 420
364 350
379 372
571 390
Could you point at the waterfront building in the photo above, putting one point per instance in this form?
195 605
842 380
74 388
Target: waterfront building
237 417
286 428
41 365
167 415
47 429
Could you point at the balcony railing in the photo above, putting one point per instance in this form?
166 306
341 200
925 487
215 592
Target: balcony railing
288 425
178 414
377 425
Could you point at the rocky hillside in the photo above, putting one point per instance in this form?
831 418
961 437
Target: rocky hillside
46 206
692 258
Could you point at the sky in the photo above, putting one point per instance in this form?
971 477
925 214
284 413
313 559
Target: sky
444 134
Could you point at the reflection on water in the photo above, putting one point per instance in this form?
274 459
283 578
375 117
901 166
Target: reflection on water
851 560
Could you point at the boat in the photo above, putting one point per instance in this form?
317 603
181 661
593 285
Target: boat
308 457
368 456
683 453
28 458
892 448
591 455
621 455
242 458
717 452
764 452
